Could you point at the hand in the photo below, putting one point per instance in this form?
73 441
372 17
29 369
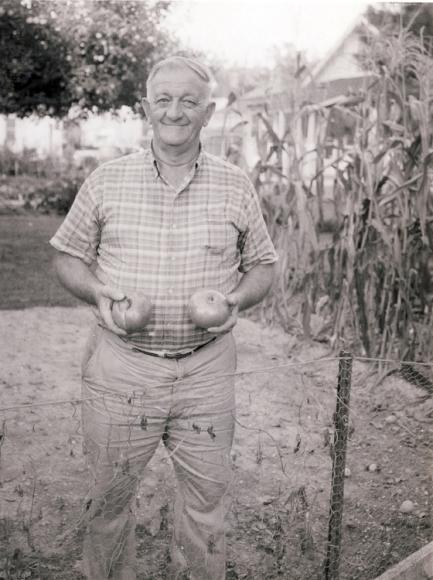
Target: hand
230 323
104 303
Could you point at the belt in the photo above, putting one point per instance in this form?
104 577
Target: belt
173 355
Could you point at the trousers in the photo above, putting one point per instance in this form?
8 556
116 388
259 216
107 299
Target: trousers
132 401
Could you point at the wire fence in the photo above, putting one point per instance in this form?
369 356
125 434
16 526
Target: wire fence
331 464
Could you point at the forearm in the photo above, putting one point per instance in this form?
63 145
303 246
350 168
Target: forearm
254 285
77 277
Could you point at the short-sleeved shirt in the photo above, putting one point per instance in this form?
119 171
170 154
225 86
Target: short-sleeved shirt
145 236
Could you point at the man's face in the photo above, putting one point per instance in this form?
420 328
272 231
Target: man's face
178 107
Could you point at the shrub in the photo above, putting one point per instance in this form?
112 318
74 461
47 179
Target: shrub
44 185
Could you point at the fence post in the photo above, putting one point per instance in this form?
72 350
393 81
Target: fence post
341 428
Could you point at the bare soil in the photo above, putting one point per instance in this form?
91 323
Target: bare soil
278 523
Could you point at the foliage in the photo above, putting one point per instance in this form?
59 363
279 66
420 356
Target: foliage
34 66
43 185
416 18
111 62
368 285
93 54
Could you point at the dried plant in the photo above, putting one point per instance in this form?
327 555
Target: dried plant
366 280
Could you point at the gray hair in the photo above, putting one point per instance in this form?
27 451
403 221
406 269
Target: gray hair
173 62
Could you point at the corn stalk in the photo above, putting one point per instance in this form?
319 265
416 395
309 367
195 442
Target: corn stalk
367 281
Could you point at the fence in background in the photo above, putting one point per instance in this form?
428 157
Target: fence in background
331 464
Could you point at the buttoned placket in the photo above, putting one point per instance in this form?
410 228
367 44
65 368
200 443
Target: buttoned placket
170 241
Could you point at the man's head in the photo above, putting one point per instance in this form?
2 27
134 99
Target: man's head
178 103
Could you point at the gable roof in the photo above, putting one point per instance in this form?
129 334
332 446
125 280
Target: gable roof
361 23
351 80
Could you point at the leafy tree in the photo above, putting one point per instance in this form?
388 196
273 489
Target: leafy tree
113 45
34 67
92 53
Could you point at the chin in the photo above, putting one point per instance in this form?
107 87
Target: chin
174 137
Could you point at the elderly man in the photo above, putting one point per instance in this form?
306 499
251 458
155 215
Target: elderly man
164 222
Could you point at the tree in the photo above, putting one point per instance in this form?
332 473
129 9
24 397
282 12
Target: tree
34 66
92 53
113 45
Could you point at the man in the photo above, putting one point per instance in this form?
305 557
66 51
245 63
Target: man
165 222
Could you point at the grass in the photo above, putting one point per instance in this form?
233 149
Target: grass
26 274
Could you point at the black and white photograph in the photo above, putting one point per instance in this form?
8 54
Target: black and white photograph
216 290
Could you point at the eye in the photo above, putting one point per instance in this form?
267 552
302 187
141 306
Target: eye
189 103
162 100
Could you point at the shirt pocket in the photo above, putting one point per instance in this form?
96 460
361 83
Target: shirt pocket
216 243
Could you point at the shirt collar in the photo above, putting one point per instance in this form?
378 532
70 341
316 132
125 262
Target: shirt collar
154 162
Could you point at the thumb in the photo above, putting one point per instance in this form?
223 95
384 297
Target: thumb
113 293
233 300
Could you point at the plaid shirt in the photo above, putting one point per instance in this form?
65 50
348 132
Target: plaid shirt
145 236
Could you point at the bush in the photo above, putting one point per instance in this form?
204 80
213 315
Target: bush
43 185
53 194
27 162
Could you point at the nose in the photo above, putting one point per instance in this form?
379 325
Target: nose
174 111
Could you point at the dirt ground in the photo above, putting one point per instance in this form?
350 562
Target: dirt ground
278 523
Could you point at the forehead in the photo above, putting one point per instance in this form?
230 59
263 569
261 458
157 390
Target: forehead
176 81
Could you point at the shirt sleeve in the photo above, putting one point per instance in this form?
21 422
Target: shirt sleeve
79 233
255 242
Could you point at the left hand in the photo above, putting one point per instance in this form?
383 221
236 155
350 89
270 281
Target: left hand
233 301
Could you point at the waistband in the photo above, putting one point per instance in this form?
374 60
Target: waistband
172 355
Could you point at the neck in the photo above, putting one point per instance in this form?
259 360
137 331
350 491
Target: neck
173 157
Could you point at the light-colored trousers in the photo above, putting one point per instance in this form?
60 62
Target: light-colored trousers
131 402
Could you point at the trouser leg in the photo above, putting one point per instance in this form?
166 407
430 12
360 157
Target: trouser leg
122 426
200 436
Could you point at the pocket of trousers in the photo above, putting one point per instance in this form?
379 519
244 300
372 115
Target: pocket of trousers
91 348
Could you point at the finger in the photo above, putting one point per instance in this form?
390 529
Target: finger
113 293
226 327
107 317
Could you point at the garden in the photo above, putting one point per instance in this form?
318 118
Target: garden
332 453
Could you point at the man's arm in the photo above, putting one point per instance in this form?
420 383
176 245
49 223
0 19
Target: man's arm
77 277
252 288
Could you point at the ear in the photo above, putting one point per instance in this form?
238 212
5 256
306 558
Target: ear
210 109
146 108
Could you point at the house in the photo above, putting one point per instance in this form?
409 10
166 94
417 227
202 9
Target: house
96 136
106 136
302 115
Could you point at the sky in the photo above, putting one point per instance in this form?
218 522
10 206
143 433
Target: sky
244 32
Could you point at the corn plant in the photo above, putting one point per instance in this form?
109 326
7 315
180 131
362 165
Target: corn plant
368 283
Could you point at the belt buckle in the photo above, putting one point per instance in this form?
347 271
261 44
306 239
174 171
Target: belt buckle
176 355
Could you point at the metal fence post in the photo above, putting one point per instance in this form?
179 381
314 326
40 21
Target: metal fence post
341 428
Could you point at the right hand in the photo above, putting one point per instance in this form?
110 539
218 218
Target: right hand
104 303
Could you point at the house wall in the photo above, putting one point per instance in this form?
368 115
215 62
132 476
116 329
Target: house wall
343 64
50 137
125 131
43 134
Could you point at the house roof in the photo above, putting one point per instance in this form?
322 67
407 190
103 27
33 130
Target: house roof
316 91
361 22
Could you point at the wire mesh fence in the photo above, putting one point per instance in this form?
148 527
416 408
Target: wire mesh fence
331 465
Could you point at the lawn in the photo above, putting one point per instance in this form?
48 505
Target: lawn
26 274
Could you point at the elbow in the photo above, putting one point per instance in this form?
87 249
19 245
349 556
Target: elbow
58 261
62 263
